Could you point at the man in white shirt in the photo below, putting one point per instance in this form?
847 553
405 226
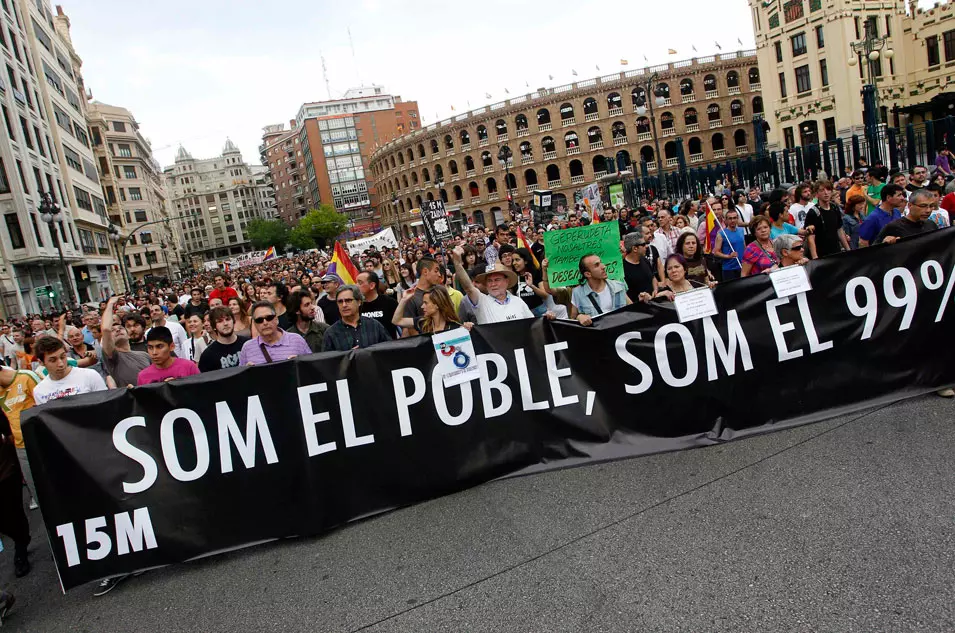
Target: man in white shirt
62 380
498 304
745 209
799 209
665 237
179 337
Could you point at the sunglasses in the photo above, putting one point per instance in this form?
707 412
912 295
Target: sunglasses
262 319
344 301
797 247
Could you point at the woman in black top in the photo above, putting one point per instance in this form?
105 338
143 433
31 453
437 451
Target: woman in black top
688 245
531 287
438 310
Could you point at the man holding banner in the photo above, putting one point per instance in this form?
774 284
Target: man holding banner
597 294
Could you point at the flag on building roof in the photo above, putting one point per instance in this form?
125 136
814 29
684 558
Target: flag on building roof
718 45
740 41
573 72
487 95
342 266
623 62
671 51
694 49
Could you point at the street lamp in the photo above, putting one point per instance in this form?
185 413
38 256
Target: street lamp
642 102
50 212
870 47
504 155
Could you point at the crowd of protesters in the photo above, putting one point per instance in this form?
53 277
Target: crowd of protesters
298 305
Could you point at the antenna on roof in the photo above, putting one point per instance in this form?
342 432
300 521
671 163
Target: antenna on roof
352 44
328 86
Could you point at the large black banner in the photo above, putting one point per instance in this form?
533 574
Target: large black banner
137 478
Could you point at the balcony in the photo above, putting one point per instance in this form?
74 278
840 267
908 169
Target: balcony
449 151
738 119
493 195
696 158
573 150
410 163
599 174
616 111
667 102
733 90
568 122
530 188
693 127
577 180
470 173
742 150
523 131
720 153
644 136
597 145
593 116
716 123
620 140
502 137
652 166
455 177
488 169
689 98
475 199
712 94
669 131
554 184
544 127
483 142
756 87
672 162
465 147
527 160
550 155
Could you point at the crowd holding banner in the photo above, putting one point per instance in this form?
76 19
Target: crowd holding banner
588 318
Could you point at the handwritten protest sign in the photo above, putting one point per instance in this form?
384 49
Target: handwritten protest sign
565 248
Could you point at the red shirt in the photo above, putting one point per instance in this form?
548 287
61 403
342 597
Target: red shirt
225 294
948 203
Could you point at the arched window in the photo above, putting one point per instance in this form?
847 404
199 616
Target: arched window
473 189
594 135
401 206
638 95
543 116
520 122
468 163
757 105
482 133
486 160
530 178
646 154
438 173
686 86
718 142
689 116
590 106
695 146
404 181
643 125
444 196
392 162
576 168
713 112
614 103
421 150
664 89
666 121
669 150
526 150
571 141
401 158
566 112
501 127
753 77
623 160
448 142
732 79
479 217
599 163
709 83
491 185
410 156
618 130
510 181
465 138
414 178
430 197
453 168
425 175
417 200
457 192
736 108
739 138
553 173
547 145
434 146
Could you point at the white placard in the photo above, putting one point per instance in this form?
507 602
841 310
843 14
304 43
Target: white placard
457 361
695 304
789 281
380 240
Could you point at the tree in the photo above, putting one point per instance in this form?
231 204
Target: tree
266 233
318 227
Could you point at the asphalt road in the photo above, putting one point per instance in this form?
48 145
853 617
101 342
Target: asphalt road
846 525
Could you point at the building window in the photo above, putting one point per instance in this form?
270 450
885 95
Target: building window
39 141
823 72
4 183
948 37
135 193
782 85
137 258
83 199
129 172
802 80
140 215
931 47
146 237
798 44
124 150
789 138
86 242
793 10
151 257
119 126
779 52
820 37
13 228
97 140
830 127
26 133
72 159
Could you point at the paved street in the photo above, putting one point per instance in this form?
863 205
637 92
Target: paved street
847 525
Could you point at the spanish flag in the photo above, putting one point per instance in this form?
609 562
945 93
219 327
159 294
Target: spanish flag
710 225
671 51
342 266
624 62
523 243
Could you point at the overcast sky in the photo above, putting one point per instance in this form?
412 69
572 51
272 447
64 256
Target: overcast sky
195 72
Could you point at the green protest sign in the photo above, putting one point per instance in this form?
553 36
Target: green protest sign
564 249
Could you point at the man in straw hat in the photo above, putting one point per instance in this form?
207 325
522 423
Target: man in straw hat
498 304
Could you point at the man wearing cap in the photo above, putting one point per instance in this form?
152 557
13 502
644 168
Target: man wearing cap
330 284
498 304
